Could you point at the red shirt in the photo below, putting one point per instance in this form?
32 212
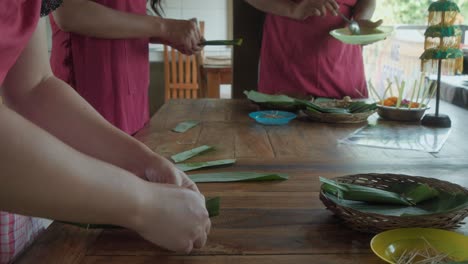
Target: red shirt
301 57
112 75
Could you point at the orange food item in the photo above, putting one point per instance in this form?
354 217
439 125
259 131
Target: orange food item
413 105
390 101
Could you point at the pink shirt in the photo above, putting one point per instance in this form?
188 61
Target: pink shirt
18 20
112 75
301 57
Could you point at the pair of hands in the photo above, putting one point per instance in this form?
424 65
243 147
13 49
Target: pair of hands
308 8
172 214
183 35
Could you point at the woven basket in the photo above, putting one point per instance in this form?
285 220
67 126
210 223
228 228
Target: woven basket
375 223
338 118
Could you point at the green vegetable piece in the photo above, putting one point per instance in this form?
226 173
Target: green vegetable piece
190 153
185 126
206 164
212 205
236 177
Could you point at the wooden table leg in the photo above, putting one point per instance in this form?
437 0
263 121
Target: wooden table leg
213 81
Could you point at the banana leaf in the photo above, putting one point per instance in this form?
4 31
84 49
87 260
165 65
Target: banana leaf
212 206
362 193
317 108
443 203
236 177
361 107
414 192
233 42
397 193
190 153
206 164
185 126
258 97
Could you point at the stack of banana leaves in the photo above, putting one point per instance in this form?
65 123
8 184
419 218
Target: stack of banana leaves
399 199
273 101
282 101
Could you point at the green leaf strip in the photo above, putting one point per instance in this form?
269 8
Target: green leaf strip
233 42
206 164
190 153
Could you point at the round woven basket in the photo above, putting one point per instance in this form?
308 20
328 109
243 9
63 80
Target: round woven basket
375 223
338 118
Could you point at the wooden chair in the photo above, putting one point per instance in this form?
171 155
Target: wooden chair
182 73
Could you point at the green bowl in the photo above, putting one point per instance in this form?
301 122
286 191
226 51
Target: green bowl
345 36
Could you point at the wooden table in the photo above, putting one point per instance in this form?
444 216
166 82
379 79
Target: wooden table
214 76
270 222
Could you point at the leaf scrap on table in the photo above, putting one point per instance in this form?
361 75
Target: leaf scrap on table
190 153
185 126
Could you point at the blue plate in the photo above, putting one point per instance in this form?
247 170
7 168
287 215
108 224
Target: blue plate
272 117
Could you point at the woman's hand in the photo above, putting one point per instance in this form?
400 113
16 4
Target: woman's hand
172 217
183 35
306 8
160 170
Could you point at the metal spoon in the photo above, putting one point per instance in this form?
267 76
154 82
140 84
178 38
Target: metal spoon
353 26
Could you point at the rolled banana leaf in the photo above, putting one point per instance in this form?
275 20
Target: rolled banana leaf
361 193
206 164
190 153
212 206
442 204
185 126
236 177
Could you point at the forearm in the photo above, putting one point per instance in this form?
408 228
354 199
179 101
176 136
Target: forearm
89 18
58 109
364 9
43 177
276 7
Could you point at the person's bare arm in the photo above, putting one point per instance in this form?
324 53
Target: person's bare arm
43 176
92 19
295 10
55 107
364 9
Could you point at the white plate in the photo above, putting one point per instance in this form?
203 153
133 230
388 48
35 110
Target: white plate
345 36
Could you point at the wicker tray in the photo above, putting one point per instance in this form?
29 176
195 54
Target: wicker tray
374 223
337 118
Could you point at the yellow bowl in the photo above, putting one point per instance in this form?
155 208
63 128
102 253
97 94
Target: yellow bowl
390 245
345 36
